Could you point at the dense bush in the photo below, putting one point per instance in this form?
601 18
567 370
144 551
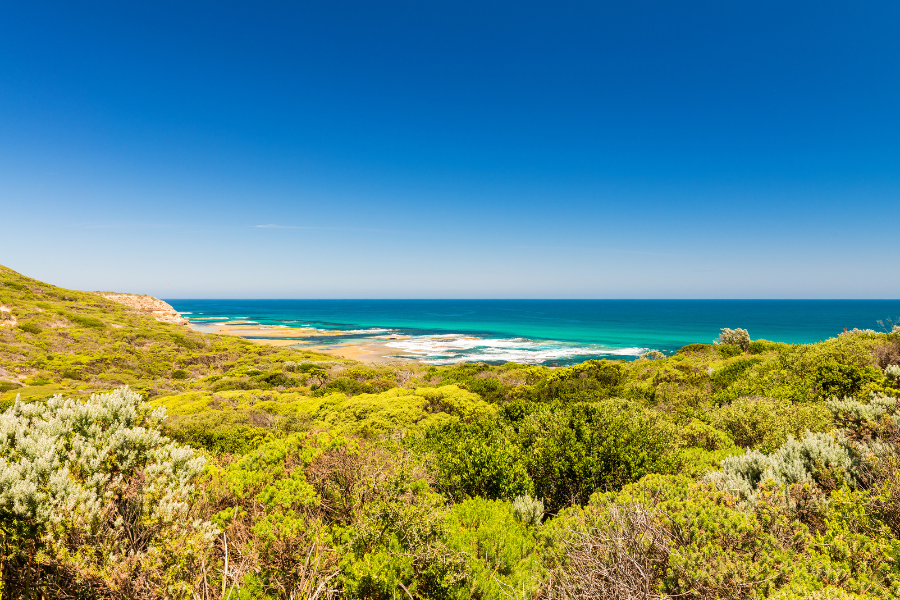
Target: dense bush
670 537
833 379
573 451
322 512
501 549
476 460
845 457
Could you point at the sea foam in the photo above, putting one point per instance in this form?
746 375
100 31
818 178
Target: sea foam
452 348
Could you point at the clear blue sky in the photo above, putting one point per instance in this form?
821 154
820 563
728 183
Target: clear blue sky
453 149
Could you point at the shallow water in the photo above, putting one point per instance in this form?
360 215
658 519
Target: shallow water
551 332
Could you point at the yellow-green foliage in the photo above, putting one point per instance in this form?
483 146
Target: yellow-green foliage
503 554
214 416
400 409
765 423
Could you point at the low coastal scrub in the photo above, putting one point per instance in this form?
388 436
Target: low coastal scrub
140 459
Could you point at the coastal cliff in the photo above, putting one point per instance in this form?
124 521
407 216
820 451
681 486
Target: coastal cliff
161 311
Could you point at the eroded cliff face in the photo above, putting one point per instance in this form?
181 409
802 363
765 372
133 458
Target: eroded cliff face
161 311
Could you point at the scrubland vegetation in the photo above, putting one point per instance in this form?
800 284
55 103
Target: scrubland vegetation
743 469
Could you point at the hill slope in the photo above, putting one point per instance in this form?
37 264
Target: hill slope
57 339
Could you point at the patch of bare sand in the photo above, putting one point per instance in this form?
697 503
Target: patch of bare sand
367 351
361 350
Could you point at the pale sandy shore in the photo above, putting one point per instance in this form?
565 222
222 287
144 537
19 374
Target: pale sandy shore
367 350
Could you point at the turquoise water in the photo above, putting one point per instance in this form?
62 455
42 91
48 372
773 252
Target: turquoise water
552 332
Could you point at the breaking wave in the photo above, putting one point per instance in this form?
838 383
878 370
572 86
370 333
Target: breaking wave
452 348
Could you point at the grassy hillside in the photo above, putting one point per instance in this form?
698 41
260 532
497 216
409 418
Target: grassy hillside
733 470
65 340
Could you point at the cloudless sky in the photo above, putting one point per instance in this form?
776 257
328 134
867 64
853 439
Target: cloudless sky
453 149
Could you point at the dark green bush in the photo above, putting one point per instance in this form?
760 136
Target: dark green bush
32 328
84 320
475 460
269 380
179 374
5 386
72 374
218 432
728 374
729 350
574 451
694 348
231 383
835 380
588 381
762 346
352 387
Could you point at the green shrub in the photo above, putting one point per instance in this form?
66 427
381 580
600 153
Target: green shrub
316 509
229 432
697 434
763 346
352 387
269 380
32 328
231 383
590 380
179 374
5 386
666 537
852 456
84 320
840 380
729 350
765 423
575 450
502 550
680 538
730 373
475 460
694 348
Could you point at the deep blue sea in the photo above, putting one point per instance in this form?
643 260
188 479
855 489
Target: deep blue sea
550 332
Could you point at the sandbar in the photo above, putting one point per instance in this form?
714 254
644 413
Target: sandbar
369 350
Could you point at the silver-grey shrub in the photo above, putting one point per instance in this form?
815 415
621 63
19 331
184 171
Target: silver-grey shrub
528 510
828 459
814 456
738 337
100 493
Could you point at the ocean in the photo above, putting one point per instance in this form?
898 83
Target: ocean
547 332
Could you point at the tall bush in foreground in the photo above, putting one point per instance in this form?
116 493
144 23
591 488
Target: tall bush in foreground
95 502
